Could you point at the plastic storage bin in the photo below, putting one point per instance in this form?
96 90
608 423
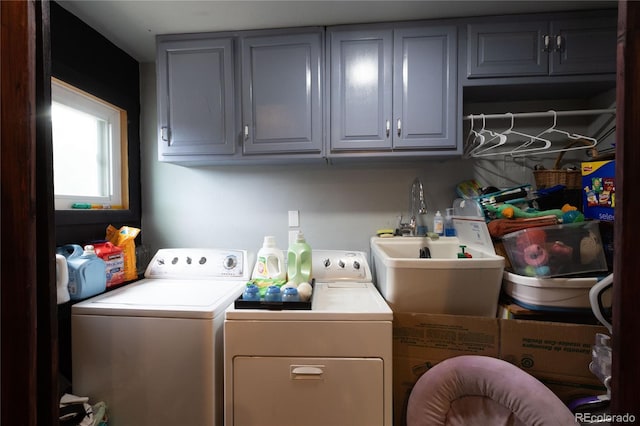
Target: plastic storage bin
558 250
551 294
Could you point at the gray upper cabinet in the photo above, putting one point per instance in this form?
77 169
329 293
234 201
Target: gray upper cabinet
281 93
424 87
195 85
361 89
393 89
526 46
586 46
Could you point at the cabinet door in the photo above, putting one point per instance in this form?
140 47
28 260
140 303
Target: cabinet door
424 87
282 391
361 85
195 97
500 49
281 93
585 46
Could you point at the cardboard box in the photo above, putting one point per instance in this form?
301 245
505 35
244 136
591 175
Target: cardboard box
558 354
510 310
550 350
599 189
420 341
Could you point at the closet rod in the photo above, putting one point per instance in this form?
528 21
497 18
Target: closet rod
542 114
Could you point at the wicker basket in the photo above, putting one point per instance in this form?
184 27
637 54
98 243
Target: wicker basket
571 179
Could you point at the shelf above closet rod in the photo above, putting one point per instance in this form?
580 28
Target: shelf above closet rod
542 114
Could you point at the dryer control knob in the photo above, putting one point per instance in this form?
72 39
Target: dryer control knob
230 262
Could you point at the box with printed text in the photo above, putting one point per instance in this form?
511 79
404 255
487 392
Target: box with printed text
557 354
599 189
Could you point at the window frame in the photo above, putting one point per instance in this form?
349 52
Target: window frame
117 171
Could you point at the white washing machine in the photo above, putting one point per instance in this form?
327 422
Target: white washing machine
328 365
152 350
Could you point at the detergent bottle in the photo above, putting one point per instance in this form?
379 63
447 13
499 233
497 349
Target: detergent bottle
270 261
299 261
438 224
87 272
449 229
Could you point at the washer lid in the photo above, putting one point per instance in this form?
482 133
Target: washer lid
169 298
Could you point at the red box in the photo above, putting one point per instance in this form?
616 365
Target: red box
114 258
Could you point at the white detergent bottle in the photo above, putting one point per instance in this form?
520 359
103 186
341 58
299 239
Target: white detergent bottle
270 261
299 261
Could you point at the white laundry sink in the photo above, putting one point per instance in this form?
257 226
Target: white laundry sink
442 284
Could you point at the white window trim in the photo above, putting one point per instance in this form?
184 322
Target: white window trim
67 95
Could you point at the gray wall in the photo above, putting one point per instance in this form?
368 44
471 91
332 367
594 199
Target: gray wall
235 206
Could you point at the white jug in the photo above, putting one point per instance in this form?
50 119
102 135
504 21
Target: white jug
62 279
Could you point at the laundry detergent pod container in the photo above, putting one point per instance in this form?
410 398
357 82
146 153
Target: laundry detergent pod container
556 250
87 272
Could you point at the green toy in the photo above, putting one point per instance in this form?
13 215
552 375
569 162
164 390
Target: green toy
509 211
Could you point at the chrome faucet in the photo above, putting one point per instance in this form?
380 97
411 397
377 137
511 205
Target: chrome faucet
417 205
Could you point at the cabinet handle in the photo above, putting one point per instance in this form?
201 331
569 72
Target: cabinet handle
399 127
164 133
246 132
388 127
558 47
546 40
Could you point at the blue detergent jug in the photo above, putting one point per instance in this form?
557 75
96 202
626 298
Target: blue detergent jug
87 272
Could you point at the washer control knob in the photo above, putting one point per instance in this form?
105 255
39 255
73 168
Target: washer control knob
188 260
356 264
174 260
230 262
327 262
341 263
202 260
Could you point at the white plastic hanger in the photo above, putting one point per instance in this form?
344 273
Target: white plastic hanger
525 147
587 141
479 136
502 139
473 138
553 128
486 140
480 150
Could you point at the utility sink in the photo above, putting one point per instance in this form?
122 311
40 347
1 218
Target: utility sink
442 284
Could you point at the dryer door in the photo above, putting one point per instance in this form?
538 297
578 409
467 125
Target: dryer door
279 391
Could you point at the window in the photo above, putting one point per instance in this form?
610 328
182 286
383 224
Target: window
89 139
